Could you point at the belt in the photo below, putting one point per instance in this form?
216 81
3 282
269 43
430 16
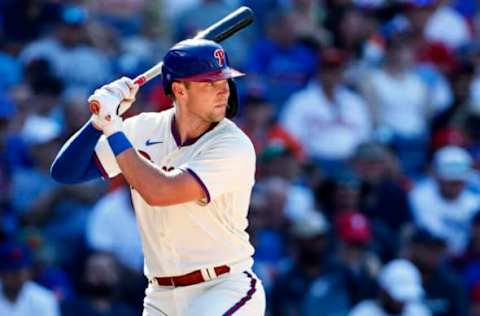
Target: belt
191 278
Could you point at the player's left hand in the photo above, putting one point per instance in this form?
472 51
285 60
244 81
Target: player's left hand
126 89
116 97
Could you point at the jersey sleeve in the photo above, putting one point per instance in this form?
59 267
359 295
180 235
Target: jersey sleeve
227 165
105 159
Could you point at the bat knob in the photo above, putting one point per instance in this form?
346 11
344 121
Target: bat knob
94 107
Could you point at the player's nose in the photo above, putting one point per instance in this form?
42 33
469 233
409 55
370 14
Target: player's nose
222 86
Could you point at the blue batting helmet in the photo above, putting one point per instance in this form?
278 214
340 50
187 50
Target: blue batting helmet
199 60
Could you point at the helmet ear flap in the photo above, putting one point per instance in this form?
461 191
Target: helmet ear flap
232 99
167 81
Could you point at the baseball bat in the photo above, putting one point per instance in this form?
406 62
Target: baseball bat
219 31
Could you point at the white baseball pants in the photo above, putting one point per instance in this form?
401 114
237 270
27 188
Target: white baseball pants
238 294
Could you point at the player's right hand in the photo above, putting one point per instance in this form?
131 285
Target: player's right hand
108 127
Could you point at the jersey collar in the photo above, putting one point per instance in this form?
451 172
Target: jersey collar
190 141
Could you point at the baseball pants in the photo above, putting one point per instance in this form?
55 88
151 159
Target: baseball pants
239 294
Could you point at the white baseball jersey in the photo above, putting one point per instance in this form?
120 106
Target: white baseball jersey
185 237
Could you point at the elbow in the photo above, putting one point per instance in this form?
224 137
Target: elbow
59 174
155 199
56 174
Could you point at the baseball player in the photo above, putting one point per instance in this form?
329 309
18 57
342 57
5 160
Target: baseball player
191 171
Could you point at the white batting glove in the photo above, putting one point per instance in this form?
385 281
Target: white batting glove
116 97
109 127
115 125
126 89
106 119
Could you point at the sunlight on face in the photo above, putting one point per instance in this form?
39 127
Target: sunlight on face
208 100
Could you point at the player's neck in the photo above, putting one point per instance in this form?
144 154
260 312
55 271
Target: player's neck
190 127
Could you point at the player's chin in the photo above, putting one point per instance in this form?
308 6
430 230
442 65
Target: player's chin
221 109
219 113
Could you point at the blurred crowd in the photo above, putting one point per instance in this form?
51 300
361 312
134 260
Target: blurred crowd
365 116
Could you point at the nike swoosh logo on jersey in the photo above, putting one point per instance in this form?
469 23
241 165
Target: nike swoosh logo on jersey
149 142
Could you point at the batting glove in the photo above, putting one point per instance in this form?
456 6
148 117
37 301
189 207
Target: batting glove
109 127
116 97
127 89
113 126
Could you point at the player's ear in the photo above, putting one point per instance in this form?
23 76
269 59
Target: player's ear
178 88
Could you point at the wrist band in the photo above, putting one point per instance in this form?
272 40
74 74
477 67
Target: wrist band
119 143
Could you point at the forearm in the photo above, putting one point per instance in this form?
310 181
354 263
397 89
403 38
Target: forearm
157 187
147 179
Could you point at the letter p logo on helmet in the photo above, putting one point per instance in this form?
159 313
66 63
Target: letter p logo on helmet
219 55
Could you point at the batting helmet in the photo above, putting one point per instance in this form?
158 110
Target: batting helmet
200 60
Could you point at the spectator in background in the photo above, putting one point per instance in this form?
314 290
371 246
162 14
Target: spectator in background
399 102
280 61
283 177
473 54
307 17
400 293
447 25
382 197
314 283
276 160
328 119
456 116
436 59
288 196
443 204
258 122
354 236
25 20
48 272
33 183
19 296
101 280
475 301
60 211
47 91
121 239
267 230
141 50
444 294
350 27
468 263
7 217
73 60
124 15
173 8
49 45
341 195
10 68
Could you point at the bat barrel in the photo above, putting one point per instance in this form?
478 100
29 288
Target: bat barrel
229 25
